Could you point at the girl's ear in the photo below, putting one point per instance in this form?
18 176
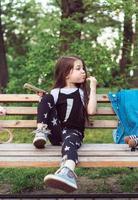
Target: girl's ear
67 77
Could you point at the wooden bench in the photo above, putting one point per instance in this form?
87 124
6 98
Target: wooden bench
90 155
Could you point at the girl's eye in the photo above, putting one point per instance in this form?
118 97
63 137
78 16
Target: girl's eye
79 68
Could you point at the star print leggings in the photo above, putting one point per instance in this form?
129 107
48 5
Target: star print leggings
70 139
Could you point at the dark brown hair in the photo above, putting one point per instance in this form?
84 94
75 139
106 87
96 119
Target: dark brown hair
62 69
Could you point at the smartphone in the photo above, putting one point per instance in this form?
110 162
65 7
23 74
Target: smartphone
33 88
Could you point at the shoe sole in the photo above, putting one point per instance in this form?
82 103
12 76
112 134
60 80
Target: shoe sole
39 143
58 183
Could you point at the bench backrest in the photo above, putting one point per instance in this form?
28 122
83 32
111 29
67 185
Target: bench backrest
26 105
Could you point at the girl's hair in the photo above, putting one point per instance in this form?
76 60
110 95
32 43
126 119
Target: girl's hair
62 69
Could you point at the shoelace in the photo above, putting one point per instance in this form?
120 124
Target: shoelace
59 170
133 136
41 131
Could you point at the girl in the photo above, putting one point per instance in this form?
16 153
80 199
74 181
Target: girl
61 118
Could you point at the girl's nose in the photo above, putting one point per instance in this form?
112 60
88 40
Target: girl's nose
82 71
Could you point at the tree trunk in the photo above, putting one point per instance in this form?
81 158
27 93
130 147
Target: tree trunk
135 60
3 63
128 37
72 10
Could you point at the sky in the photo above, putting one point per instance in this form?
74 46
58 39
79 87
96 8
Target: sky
44 3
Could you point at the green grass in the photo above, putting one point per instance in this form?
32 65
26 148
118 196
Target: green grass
98 136
24 179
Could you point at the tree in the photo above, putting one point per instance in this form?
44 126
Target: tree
36 39
135 57
72 14
20 19
128 38
3 61
83 43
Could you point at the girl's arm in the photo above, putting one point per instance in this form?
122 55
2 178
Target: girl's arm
92 103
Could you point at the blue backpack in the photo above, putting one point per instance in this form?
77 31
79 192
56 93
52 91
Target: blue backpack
125 105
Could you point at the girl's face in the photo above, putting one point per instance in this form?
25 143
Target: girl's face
76 75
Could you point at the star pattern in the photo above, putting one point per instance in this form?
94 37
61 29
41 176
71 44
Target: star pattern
54 121
71 143
63 144
45 115
67 148
79 133
78 144
75 134
49 104
67 137
64 132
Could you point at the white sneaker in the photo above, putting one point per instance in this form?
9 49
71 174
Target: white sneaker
40 138
64 179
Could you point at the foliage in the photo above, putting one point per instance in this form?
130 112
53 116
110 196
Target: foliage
33 41
19 19
42 57
43 52
98 60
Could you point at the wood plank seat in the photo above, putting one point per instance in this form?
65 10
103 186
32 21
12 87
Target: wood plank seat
90 155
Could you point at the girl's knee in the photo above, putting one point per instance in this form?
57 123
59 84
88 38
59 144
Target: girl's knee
55 140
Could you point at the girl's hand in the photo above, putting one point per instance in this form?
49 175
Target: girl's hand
2 111
41 94
93 81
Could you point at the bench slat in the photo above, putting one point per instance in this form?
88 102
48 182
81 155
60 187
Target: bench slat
32 124
90 163
34 98
21 110
18 123
58 153
25 155
19 98
91 147
105 111
33 111
102 124
49 150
